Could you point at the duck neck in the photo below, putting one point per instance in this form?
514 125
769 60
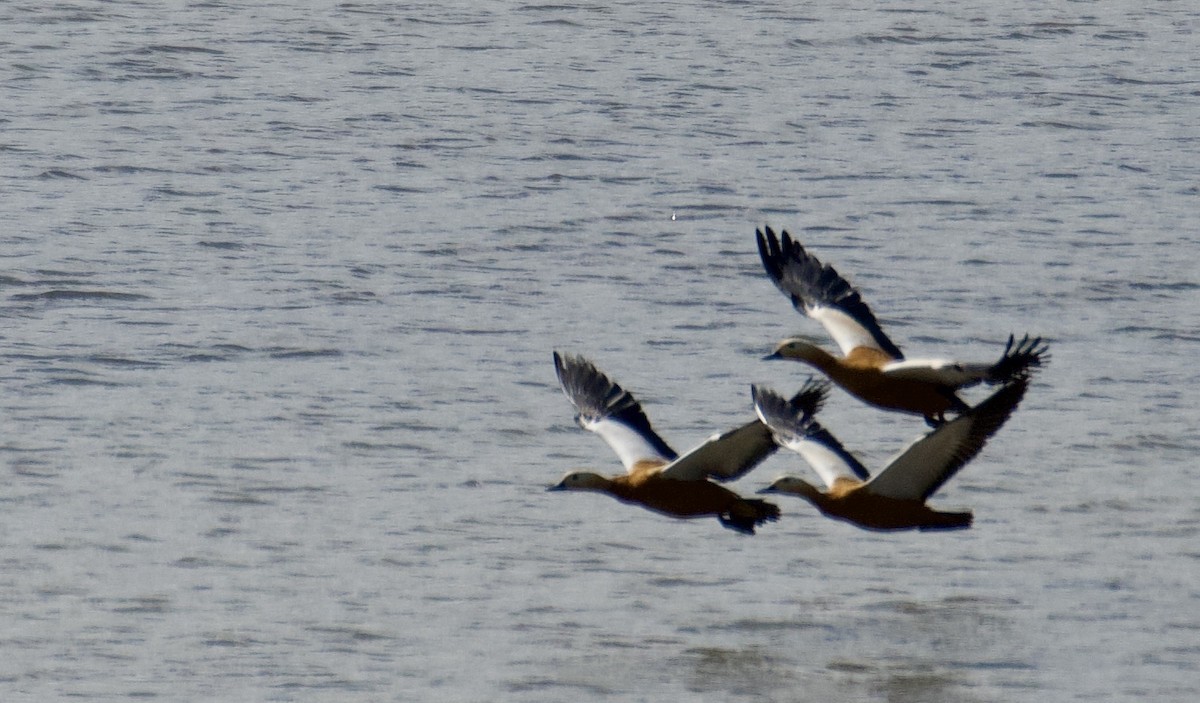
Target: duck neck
621 490
809 492
814 356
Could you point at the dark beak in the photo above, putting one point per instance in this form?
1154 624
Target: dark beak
768 489
772 356
556 487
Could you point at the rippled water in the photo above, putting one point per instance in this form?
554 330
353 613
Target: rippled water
281 282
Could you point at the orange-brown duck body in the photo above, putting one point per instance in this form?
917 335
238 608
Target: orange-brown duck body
656 477
850 501
647 487
895 498
861 373
872 368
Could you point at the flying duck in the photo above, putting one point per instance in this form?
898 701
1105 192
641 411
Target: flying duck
894 499
657 478
872 368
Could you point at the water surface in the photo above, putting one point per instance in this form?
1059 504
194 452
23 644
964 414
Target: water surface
281 285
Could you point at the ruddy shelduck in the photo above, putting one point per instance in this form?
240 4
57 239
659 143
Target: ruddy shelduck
894 499
872 368
656 477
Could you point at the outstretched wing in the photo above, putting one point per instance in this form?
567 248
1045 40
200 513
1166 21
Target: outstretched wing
820 292
940 372
610 411
724 456
730 455
922 467
795 429
1019 359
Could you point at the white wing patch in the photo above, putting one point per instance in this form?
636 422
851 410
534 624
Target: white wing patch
942 372
630 445
828 464
846 331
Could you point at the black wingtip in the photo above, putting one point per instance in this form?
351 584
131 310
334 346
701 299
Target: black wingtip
808 283
769 251
792 412
771 407
788 420
559 364
595 396
1020 359
811 397
790 416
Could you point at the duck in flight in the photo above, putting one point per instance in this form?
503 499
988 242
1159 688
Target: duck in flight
894 499
657 478
872 368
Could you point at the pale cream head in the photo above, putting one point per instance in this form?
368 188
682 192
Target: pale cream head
796 348
581 481
793 485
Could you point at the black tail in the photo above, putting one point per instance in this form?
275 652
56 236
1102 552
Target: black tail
1019 360
948 521
748 513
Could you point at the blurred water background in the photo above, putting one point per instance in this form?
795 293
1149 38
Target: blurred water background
280 283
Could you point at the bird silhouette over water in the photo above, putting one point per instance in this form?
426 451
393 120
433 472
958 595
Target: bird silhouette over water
895 498
872 368
657 478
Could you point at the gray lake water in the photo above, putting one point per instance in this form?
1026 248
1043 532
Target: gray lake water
280 284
